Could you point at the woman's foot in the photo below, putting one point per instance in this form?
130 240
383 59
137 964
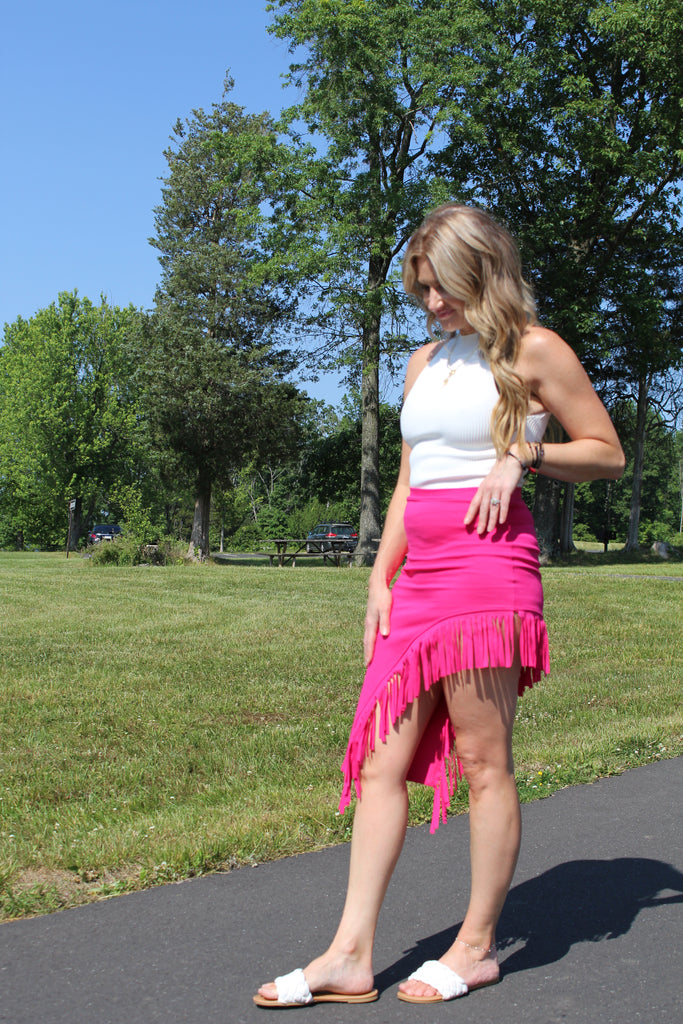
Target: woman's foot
477 966
331 972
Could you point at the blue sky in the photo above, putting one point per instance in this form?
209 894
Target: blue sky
90 92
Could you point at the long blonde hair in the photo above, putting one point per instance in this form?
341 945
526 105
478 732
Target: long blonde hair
477 261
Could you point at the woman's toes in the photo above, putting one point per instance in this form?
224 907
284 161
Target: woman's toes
268 991
418 989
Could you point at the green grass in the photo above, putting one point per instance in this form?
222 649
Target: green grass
158 723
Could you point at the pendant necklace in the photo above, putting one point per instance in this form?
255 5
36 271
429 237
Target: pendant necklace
461 362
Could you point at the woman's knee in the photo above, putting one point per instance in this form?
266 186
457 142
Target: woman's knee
382 769
484 768
389 761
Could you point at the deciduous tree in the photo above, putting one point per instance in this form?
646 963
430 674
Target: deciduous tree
573 134
376 78
68 418
564 120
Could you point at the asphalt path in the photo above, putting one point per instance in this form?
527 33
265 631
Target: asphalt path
592 930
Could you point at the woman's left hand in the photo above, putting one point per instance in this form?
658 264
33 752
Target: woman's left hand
491 503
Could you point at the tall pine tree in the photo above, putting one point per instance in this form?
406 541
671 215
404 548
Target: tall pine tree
216 385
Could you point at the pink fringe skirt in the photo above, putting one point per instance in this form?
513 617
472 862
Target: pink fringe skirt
454 608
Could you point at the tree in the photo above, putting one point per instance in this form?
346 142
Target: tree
563 120
215 384
648 330
573 135
376 77
68 418
603 508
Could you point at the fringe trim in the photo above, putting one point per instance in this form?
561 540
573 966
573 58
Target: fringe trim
483 640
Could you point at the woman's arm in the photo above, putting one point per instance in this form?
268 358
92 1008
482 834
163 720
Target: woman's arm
391 552
393 545
562 387
558 380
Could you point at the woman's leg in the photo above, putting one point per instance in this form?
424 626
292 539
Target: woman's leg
482 705
379 828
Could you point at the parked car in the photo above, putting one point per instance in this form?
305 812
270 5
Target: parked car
332 536
106 531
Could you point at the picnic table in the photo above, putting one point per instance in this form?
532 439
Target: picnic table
294 547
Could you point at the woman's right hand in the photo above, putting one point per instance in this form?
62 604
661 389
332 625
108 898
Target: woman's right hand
377 616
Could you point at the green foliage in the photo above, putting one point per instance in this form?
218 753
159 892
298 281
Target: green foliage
129 551
583 533
657 530
605 505
215 387
125 501
572 134
376 80
69 425
302 520
111 552
322 486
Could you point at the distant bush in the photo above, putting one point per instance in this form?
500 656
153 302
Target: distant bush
650 532
107 552
247 538
582 532
130 551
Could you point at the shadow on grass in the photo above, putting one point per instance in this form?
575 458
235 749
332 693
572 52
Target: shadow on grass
580 901
240 558
253 559
585 559
617 558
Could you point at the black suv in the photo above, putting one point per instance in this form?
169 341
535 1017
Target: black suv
332 537
107 531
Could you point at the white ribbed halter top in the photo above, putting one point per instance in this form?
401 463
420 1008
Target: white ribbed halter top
446 417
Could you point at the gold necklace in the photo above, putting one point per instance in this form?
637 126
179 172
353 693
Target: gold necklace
460 362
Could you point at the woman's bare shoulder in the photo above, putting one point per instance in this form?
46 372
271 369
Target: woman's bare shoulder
417 362
542 350
538 340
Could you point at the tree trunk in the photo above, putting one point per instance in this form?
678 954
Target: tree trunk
370 525
547 517
567 520
199 539
608 515
638 462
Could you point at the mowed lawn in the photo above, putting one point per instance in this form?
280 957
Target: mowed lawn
162 722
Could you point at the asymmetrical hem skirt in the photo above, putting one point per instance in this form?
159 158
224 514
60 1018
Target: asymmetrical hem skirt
458 604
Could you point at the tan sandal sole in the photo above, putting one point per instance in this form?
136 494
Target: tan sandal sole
320 997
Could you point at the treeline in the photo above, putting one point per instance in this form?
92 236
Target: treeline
77 422
565 120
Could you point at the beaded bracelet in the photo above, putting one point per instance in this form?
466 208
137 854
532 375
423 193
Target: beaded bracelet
539 455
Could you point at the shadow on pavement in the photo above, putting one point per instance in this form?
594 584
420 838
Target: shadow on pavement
576 902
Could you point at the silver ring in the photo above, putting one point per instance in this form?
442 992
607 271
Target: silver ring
495 501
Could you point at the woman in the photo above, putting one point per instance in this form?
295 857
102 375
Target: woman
461 634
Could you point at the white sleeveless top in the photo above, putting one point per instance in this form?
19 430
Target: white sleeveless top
446 417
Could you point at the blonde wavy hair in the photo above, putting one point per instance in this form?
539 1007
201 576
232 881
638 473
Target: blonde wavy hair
477 261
